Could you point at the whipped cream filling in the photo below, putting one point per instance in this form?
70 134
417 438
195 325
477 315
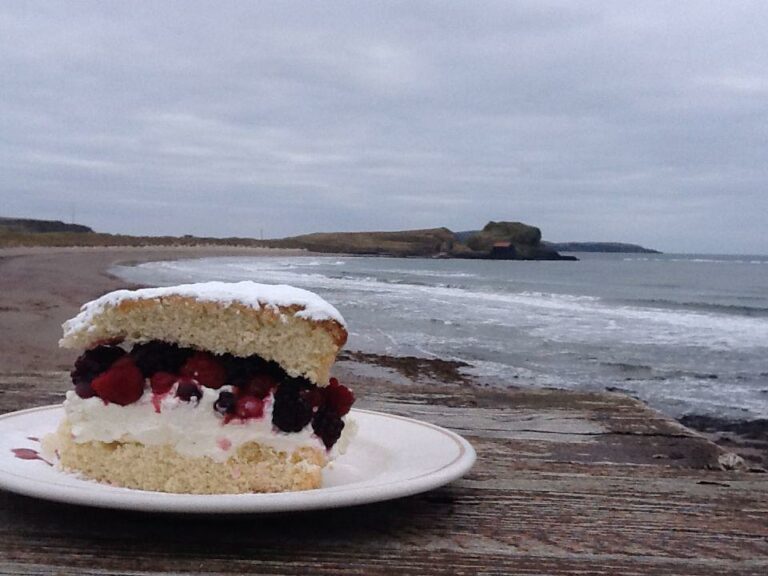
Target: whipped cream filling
193 428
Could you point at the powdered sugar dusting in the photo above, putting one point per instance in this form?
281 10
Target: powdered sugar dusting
226 293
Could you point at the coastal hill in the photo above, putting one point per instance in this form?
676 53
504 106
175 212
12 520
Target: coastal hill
427 242
33 226
618 247
497 240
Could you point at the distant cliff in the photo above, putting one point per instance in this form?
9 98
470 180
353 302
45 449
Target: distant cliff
498 241
508 241
600 247
30 226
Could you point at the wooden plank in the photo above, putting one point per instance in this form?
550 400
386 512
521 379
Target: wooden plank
565 482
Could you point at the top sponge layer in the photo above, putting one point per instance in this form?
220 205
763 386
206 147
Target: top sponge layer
295 328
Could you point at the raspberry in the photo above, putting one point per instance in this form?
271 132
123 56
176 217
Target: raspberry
226 403
206 369
315 397
292 411
93 362
249 407
158 356
122 384
328 426
338 398
188 389
162 382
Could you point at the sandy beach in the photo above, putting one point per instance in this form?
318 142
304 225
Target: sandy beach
42 287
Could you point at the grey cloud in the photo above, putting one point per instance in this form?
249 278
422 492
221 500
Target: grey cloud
594 120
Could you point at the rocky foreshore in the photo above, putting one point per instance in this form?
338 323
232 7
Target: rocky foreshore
749 438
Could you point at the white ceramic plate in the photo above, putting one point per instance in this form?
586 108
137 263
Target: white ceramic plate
391 457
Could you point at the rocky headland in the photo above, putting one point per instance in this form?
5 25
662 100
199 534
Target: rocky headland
497 240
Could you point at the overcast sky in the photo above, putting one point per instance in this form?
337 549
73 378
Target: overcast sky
639 122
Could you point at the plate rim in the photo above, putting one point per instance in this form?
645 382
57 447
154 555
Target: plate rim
260 503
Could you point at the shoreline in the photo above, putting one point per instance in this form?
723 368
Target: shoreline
42 287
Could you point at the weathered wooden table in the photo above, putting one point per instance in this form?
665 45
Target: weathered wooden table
564 483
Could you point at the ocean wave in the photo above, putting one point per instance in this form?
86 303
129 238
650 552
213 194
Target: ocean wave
561 318
514 330
737 309
627 367
558 296
428 273
699 260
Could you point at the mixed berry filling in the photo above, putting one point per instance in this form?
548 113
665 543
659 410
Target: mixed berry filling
121 377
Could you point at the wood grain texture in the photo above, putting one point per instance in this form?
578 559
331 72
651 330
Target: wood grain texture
565 483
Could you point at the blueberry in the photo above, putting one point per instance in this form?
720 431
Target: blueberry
186 390
226 403
84 390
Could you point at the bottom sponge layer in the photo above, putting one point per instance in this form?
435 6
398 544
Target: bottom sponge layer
254 468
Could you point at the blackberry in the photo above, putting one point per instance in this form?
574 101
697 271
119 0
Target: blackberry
158 356
93 362
226 403
276 371
292 409
241 370
328 426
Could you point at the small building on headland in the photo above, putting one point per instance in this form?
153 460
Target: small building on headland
503 251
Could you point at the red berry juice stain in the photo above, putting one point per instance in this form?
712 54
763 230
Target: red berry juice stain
28 454
224 443
156 401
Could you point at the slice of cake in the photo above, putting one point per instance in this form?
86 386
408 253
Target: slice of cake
205 388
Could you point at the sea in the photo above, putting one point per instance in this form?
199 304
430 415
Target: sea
688 334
